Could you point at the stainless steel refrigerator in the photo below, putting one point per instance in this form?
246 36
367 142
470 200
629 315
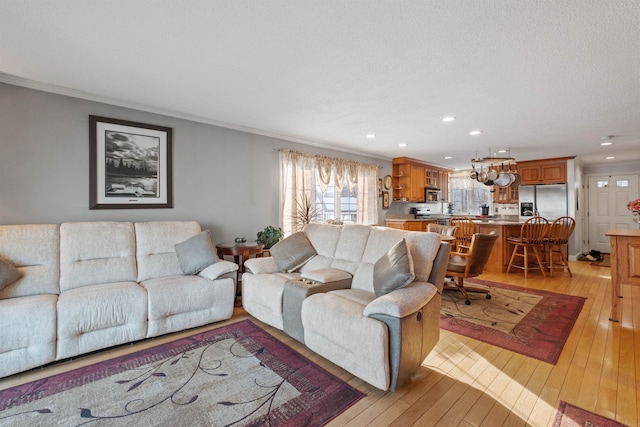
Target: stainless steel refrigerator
549 201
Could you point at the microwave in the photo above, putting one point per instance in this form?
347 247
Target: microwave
431 194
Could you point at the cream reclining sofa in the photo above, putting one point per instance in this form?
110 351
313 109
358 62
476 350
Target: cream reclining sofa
85 286
333 304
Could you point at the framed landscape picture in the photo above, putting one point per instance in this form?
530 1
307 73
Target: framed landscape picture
129 165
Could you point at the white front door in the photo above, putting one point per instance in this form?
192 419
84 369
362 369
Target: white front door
608 198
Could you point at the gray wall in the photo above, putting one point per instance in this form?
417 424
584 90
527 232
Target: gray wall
225 179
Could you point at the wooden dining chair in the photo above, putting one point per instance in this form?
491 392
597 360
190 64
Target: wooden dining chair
470 263
557 242
466 229
531 239
446 230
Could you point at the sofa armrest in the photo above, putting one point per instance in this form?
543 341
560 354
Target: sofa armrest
402 302
439 269
214 271
262 265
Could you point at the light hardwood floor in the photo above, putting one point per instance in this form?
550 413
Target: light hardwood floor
464 382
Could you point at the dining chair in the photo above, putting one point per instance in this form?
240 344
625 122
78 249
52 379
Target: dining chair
447 230
463 265
557 242
466 229
531 239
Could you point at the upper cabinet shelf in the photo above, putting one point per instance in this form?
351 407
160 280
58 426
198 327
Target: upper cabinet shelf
410 177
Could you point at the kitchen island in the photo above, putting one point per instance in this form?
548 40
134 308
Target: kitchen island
504 228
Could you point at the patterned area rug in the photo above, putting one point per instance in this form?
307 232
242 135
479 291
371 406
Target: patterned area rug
236 375
528 321
572 416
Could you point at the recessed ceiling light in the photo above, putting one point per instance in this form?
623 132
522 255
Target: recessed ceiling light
448 157
475 132
371 135
402 145
448 119
606 142
609 158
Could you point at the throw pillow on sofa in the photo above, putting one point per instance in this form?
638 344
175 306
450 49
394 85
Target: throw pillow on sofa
196 253
393 270
292 252
8 274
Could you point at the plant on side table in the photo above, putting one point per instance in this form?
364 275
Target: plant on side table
269 236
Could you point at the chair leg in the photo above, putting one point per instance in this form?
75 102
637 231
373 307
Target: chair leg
537 254
513 256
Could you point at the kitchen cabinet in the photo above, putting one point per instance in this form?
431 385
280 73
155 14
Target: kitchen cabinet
546 171
410 177
410 225
505 195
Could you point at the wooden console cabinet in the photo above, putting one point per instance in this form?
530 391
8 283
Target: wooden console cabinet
625 264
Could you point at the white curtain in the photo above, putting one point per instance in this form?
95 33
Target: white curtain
297 171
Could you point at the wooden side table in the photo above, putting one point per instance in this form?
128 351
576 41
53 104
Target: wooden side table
240 252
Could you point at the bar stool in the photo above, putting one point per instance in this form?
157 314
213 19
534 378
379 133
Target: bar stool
532 236
464 232
557 241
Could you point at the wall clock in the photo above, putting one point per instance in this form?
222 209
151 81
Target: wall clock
387 182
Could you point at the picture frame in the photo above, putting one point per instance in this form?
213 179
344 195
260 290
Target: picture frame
379 187
385 200
130 165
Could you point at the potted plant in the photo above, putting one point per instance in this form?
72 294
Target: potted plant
269 236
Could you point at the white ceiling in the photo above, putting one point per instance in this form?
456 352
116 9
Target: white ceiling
545 78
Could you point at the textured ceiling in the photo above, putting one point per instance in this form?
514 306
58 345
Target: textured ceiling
545 78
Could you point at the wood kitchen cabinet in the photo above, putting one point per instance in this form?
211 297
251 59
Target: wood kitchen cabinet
410 177
505 195
415 225
545 171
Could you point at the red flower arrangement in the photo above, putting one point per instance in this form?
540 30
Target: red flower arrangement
634 205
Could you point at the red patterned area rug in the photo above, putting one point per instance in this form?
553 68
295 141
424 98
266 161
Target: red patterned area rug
236 375
572 416
527 321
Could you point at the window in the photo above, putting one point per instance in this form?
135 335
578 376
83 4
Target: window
337 205
320 189
467 194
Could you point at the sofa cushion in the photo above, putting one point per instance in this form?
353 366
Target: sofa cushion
93 253
99 316
292 252
393 270
155 247
8 273
182 302
35 250
27 333
196 253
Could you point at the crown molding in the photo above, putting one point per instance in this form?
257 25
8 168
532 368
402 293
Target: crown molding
74 93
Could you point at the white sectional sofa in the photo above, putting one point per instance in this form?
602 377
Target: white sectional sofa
340 301
85 286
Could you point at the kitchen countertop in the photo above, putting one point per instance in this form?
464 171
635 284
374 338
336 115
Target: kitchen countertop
475 218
